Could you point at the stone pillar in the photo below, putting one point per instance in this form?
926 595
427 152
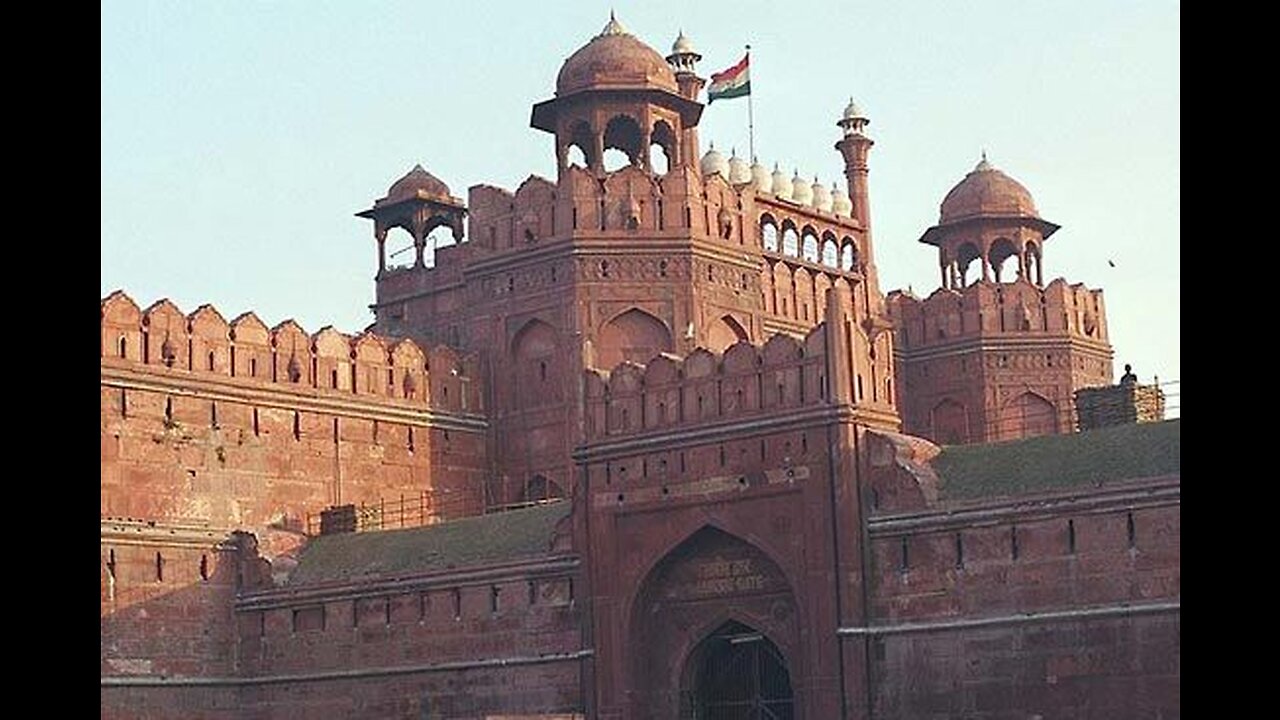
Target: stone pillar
597 153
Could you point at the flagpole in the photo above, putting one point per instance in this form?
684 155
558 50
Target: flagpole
751 123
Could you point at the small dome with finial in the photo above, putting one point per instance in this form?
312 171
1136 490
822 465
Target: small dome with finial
760 177
418 181
853 112
853 120
986 191
781 183
683 45
714 163
613 27
801 191
615 59
821 196
739 171
840 202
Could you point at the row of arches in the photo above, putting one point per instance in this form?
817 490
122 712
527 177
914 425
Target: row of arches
804 242
1000 260
796 293
623 142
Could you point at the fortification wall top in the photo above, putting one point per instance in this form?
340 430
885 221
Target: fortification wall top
163 338
986 308
746 380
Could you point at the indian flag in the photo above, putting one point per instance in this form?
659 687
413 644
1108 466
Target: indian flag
732 83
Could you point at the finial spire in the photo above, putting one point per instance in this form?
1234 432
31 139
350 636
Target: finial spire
983 164
614 27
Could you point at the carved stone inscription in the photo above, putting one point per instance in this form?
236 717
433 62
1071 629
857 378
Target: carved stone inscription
722 567
722 577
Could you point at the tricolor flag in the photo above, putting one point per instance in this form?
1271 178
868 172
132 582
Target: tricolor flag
732 83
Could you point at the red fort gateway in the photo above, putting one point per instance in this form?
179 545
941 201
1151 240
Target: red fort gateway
646 440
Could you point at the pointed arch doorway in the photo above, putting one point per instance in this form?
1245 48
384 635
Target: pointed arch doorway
736 673
715 634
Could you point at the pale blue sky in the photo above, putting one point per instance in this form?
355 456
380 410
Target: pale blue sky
238 139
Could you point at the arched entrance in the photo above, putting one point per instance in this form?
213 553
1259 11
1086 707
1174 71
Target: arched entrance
715 607
737 673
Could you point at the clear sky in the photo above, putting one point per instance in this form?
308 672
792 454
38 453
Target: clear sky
238 139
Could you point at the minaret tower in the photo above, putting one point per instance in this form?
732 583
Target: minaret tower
681 60
854 146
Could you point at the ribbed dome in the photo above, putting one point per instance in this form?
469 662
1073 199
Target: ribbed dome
801 191
615 59
821 196
987 191
840 202
760 177
713 162
418 179
781 183
739 171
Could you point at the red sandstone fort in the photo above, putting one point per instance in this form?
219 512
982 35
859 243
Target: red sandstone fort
648 442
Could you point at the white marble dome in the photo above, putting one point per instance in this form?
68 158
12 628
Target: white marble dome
852 112
821 196
840 202
781 183
760 177
684 46
801 191
739 171
713 162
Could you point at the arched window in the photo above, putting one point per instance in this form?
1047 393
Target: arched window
810 246
790 242
622 140
1002 251
768 239
580 145
830 253
967 253
662 148
848 255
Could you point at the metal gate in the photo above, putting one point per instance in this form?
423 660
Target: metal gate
741 676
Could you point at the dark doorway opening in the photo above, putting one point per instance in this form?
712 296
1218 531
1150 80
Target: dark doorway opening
737 673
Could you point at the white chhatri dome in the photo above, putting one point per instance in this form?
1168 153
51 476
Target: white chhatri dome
760 177
682 46
781 183
821 196
739 172
840 202
801 191
853 112
713 162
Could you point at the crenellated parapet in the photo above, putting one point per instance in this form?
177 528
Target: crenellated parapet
202 343
783 374
994 361
985 309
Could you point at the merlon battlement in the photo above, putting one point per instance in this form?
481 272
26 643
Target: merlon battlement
985 308
670 391
164 339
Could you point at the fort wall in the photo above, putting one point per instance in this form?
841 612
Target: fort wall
493 640
237 426
1061 605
